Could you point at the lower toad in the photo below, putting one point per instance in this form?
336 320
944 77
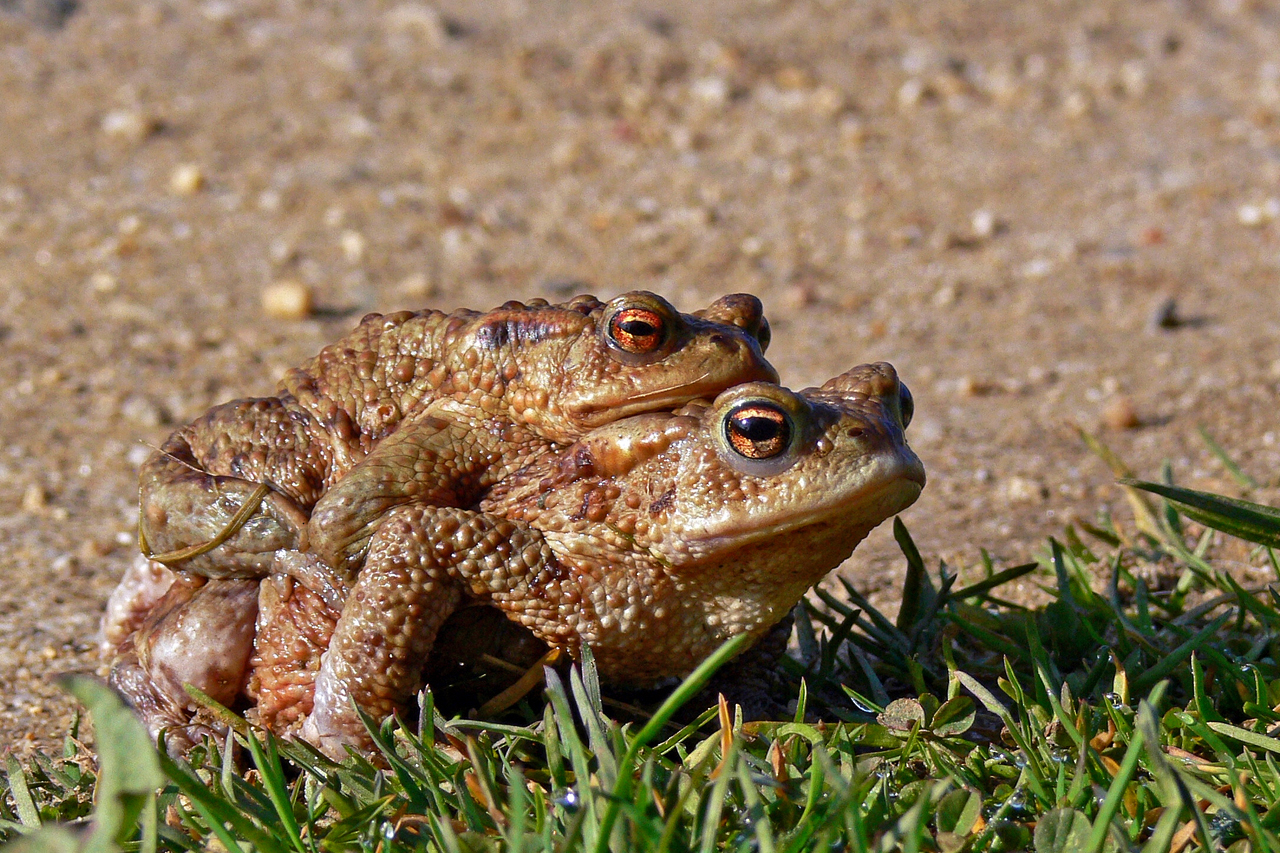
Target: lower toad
652 540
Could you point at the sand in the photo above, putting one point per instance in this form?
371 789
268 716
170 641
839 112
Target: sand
1000 198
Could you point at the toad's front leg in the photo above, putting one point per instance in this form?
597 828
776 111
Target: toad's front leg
444 456
421 564
435 459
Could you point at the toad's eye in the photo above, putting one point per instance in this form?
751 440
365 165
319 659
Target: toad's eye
637 330
906 405
758 430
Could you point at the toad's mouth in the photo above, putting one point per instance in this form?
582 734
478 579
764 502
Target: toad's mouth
709 385
884 496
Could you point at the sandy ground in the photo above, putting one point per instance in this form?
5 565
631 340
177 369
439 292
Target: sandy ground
998 197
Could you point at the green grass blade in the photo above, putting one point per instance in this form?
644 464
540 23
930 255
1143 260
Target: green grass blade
1233 469
1243 519
272 773
24 804
997 580
218 812
682 694
913 585
1253 739
1115 795
1173 659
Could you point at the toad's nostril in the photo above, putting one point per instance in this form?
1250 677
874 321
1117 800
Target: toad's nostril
717 339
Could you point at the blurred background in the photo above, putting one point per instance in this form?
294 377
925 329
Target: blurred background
1048 216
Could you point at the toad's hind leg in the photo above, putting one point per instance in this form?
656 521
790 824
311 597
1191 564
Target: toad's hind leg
421 563
198 633
230 489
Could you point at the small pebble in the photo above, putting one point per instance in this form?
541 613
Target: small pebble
1250 215
334 214
420 20
712 91
1257 215
103 282
791 77
187 179
968 386
853 131
218 11
141 410
1077 104
984 223
353 245
1151 236
287 300
911 93
416 286
1120 414
1037 268
797 296
34 500
269 201
1023 490
94 549
127 125
281 250
459 246
827 101
1165 316
137 454
567 153
1134 78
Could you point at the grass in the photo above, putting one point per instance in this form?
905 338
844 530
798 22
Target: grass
1119 716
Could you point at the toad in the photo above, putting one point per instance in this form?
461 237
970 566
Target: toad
651 540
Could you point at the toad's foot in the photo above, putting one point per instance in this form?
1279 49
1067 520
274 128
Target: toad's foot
296 617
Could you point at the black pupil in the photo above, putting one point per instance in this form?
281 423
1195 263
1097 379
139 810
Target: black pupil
638 328
757 428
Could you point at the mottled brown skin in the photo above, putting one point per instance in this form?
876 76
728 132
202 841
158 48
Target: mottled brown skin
651 540
169 650
547 371
423 408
